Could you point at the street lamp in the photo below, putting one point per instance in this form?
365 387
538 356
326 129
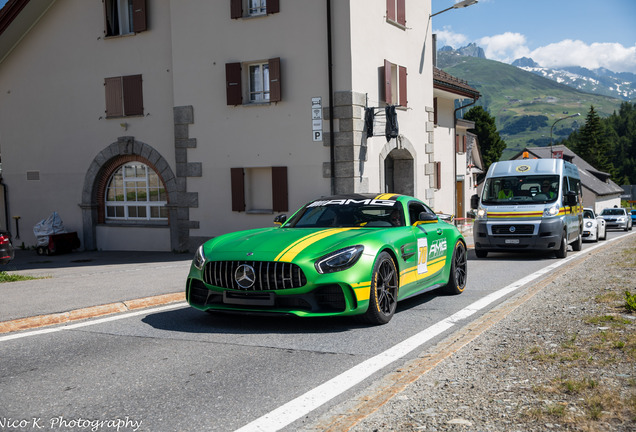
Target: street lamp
461 4
555 122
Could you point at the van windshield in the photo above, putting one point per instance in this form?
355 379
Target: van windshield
532 189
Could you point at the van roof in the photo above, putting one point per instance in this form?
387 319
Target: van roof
532 167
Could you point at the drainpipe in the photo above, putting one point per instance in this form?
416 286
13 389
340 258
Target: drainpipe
6 206
332 150
455 153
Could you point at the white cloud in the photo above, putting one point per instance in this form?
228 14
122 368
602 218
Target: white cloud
448 37
612 56
506 47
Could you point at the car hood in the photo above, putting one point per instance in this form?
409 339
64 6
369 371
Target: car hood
283 244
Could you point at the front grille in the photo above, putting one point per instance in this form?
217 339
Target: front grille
268 275
521 229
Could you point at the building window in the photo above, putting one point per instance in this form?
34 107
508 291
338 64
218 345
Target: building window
396 12
135 192
253 8
124 17
124 96
395 84
258 82
263 82
259 190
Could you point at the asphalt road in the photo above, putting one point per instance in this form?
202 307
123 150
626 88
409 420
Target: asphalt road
176 368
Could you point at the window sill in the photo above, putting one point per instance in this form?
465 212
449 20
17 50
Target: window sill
137 224
396 24
259 211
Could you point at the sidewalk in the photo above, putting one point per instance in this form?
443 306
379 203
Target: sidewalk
87 284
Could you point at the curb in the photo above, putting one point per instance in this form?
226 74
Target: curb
89 312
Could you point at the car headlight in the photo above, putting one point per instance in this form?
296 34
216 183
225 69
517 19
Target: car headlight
482 213
551 211
621 219
588 224
339 260
199 258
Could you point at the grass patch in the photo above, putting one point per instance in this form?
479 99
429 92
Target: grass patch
6 277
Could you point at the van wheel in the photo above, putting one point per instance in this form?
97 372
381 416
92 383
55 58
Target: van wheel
562 251
481 253
578 244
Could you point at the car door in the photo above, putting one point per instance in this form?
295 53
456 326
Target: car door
426 256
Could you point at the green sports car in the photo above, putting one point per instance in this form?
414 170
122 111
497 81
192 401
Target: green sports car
342 255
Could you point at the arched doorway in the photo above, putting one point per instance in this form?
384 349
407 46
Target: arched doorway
399 172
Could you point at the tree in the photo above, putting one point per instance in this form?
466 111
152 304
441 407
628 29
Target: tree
491 144
594 143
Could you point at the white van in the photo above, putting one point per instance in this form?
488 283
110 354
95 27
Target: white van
529 204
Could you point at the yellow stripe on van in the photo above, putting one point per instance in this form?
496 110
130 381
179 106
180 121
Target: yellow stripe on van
295 248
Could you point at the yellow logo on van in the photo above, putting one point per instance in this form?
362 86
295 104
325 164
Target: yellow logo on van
523 168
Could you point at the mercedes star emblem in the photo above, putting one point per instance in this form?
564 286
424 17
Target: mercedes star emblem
245 276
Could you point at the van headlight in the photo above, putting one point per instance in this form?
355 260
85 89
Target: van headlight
482 213
551 211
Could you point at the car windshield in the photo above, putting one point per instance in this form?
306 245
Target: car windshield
613 212
349 213
532 189
588 214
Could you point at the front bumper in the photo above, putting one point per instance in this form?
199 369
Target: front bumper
322 300
517 235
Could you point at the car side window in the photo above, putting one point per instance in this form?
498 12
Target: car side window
415 209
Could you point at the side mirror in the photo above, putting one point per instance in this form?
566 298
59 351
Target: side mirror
474 202
427 217
571 199
446 217
280 219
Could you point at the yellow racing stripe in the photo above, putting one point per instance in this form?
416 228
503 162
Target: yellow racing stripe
295 248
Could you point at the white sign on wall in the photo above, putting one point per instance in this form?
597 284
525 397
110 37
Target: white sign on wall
316 118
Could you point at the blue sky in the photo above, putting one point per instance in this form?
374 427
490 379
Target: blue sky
555 33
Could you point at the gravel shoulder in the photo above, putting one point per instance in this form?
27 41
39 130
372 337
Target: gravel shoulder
563 360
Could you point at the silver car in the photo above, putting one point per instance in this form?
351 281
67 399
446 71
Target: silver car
617 218
593 226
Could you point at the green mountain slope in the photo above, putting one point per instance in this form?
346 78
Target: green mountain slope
525 105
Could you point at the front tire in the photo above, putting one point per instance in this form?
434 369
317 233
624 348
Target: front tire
480 252
459 270
384 291
578 244
562 251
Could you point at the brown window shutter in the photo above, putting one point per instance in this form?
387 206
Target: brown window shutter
402 85
390 10
401 12
139 16
233 84
457 149
273 6
133 95
435 111
238 189
274 80
438 175
387 82
236 9
280 200
114 97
